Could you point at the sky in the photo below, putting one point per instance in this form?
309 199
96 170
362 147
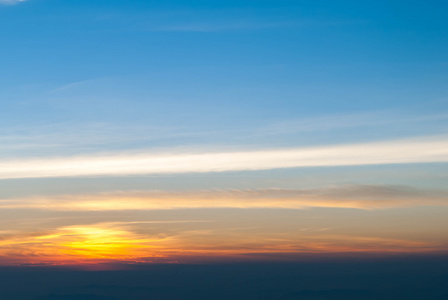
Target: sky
191 132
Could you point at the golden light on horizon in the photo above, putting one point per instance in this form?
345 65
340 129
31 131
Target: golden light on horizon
84 245
109 243
102 243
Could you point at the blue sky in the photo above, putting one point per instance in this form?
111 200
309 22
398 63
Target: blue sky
221 59
328 104
95 77
118 75
221 65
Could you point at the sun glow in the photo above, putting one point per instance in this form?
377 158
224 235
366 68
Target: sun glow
130 243
100 243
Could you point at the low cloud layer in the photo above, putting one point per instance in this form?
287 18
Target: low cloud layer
350 196
120 226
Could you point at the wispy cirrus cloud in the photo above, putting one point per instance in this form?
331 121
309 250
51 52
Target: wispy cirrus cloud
222 27
244 24
347 121
73 138
423 150
11 2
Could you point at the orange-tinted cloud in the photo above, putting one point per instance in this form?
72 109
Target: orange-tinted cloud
350 196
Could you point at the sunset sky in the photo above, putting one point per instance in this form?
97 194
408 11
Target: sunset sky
138 132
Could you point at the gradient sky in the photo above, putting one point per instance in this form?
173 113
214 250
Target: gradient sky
194 131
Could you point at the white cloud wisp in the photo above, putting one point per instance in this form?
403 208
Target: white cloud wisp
11 2
123 164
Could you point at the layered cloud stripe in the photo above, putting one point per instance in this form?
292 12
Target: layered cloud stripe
427 150
349 196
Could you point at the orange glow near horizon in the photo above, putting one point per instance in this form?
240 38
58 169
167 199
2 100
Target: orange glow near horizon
272 224
113 243
76 245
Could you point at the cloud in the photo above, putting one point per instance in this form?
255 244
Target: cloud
69 138
245 24
347 121
74 138
11 2
425 150
232 26
349 196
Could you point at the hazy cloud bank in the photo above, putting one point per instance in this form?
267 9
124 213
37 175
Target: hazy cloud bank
350 196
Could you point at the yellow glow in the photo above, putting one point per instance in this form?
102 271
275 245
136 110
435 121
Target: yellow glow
85 245
97 242
118 242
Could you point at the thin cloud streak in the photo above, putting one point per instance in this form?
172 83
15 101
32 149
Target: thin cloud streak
351 196
427 150
11 2
346 121
75 138
208 28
